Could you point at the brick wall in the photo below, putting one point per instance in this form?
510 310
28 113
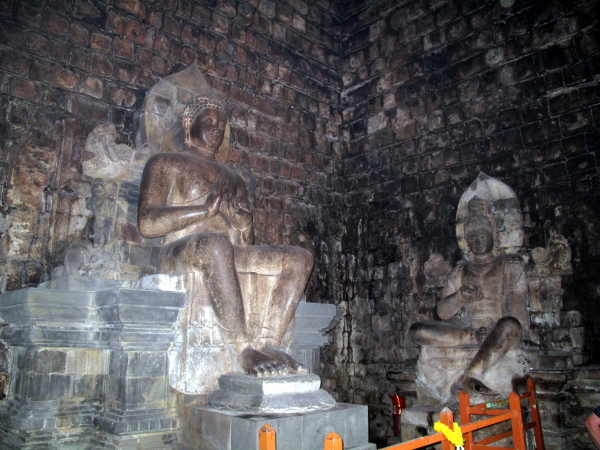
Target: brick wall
434 91
362 121
69 65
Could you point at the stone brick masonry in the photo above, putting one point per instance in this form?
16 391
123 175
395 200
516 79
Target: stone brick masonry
67 66
434 91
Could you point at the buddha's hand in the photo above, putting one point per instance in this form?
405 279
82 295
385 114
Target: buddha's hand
238 205
469 294
237 208
239 213
216 195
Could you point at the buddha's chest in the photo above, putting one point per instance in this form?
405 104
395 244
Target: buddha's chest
197 182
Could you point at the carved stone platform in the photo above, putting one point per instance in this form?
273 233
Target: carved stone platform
89 363
210 429
88 366
434 386
565 397
312 323
270 395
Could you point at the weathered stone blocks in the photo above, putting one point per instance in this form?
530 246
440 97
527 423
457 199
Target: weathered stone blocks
74 346
211 429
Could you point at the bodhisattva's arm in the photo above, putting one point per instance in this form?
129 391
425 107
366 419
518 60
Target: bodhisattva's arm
455 295
155 218
516 292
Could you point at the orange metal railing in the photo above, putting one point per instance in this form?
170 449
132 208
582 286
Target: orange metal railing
518 428
446 417
514 414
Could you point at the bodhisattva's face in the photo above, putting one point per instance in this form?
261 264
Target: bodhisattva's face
480 240
208 129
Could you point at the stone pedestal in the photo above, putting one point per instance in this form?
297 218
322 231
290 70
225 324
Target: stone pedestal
417 422
312 323
210 429
270 395
565 398
439 368
89 362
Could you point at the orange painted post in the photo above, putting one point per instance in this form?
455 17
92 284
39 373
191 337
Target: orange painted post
464 402
517 421
535 416
447 418
333 442
266 438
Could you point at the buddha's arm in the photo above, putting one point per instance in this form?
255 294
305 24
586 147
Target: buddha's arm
155 218
240 216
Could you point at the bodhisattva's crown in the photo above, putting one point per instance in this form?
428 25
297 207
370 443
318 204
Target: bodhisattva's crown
479 215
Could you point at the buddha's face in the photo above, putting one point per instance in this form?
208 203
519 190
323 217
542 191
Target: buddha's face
479 239
207 129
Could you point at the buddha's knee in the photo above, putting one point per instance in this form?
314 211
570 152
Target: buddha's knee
212 248
295 260
302 257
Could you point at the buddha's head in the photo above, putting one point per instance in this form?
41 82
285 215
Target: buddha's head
204 121
479 231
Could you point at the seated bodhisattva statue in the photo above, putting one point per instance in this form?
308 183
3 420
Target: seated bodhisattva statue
201 208
484 302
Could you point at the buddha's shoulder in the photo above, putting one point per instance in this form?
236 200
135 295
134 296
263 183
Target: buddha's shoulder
179 161
172 157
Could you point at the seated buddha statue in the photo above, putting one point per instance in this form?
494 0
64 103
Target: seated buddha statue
201 209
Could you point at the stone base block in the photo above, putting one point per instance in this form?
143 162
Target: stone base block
149 441
210 429
270 395
439 368
417 422
565 398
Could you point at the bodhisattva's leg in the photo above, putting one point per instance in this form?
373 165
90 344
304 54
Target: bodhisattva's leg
212 256
505 335
292 267
438 334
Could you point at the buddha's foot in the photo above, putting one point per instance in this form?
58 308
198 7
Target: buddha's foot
284 358
258 363
269 362
473 385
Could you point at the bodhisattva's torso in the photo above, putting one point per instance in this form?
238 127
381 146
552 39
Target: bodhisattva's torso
490 279
188 179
